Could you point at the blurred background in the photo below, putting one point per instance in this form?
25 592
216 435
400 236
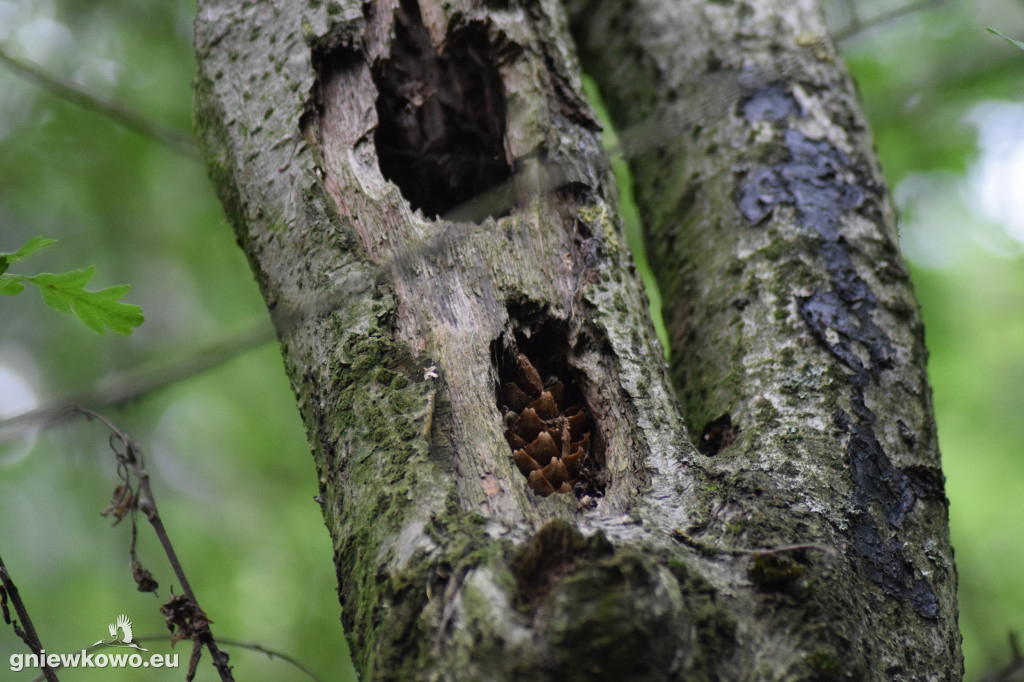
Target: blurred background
225 448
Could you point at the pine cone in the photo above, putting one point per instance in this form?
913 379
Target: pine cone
548 443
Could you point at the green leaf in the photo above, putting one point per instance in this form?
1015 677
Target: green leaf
97 309
995 31
66 292
30 247
10 285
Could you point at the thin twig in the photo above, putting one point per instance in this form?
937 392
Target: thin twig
133 384
27 633
272 654
705 548
115 111
186 615
857 25
1009 671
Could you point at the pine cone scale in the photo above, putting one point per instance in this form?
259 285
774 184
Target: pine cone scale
550 443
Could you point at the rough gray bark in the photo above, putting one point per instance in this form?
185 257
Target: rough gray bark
812 547
774 243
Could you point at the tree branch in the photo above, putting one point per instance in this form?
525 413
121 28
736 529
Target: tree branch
133 384
115 111
766 222
28 634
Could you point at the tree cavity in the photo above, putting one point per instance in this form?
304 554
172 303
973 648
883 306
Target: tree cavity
441 113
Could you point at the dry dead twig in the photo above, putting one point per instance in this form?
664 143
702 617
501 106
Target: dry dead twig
184 617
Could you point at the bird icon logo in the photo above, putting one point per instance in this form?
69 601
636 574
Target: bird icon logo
125 626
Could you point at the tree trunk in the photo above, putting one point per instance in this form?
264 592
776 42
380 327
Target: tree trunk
443 348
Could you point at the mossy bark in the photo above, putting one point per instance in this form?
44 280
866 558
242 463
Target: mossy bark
347 139
774 243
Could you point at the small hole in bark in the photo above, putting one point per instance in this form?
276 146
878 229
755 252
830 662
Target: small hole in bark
551 431
441 129
717 435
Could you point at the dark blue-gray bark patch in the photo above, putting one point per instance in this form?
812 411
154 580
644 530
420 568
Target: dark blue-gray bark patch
811 179
821 184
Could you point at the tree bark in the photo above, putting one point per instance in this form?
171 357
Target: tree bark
348 141
788 305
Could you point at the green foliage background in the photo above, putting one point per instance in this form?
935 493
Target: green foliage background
231 470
